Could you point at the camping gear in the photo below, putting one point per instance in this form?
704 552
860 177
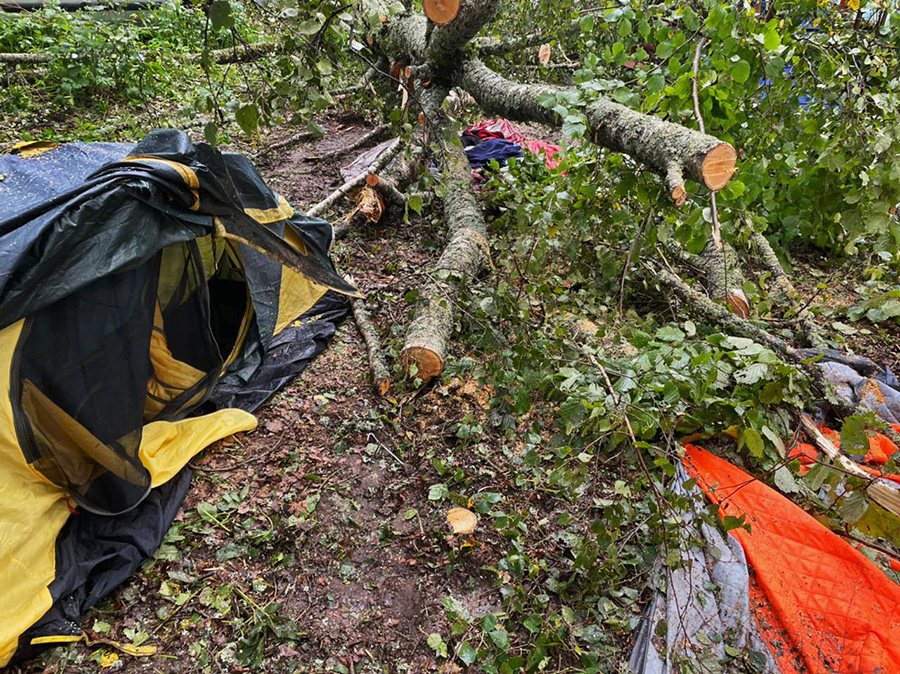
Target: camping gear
698 602
491 130
860 381
149 297
492 149
779 587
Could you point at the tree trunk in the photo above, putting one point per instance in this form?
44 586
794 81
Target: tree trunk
671 150
454 28
467 254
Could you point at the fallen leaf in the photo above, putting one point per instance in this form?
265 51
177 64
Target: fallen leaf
544 54
109 659
462 521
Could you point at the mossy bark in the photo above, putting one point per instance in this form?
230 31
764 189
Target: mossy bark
808 327
448 40
466 255
668 149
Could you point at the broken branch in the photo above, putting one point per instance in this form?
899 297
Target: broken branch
356 182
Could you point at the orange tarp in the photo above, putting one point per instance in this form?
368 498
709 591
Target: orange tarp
880 450
821 605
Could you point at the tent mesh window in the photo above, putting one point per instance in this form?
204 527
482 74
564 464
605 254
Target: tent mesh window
78 389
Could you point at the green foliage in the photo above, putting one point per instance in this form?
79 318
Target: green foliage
98 55
809 100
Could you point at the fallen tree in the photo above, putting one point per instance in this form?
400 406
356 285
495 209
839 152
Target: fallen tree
672 151
466 255
434 46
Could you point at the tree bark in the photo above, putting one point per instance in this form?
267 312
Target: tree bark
724 277
466 255
447 39
381 374
811 332
671 150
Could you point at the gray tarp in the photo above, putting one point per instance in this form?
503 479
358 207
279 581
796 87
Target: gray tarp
700 606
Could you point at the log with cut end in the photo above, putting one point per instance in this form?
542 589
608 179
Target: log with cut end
455 23
467 254
724 277
671 150
382 196
439 40
441 11
380 162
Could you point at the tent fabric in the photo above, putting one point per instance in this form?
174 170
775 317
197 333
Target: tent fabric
150 296
704 602
821 605
861 381
881 449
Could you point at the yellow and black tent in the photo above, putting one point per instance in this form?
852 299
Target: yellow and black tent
151 298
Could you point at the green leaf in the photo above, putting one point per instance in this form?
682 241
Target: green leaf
854 439
500 639
785 481
740 71
466 653
220 15
656 83
415 203
587 25
310 27
753 441
247 117
772 39
438 492
211 133
324 66
436 642
853 506
670 333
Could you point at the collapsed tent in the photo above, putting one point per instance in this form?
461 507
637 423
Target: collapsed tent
150 297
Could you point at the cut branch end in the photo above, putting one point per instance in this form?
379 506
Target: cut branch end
718 166
428 363
441 12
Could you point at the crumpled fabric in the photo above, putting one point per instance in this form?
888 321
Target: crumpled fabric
502 129
706 597
492 149
820 604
